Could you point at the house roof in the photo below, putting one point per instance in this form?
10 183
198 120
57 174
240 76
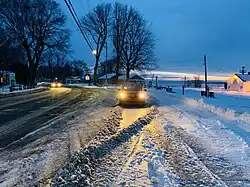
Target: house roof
133 76
109 76
244 77
121 77
137 77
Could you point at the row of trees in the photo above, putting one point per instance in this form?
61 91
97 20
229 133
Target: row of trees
129 33
63 69
30 29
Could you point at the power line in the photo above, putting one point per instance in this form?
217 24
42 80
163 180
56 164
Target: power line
76 19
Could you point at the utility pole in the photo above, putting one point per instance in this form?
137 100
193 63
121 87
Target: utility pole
106 65
156 81
184 85
206 86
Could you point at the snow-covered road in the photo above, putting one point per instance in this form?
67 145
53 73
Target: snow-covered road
174 141
178 142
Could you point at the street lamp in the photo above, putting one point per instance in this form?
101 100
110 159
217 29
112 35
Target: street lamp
94 52
87 78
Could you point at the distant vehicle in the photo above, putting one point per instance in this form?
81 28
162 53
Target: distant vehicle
56 84
132 93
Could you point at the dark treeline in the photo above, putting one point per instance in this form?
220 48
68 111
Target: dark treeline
33 36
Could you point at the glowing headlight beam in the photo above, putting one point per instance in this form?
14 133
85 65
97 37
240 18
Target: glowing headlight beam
122 95
141 95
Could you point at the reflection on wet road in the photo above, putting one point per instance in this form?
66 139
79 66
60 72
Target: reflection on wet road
130 115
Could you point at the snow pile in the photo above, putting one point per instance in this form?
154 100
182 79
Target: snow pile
228 113
82 164
22 92
230 107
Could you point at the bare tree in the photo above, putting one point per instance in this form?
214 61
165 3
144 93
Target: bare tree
138 51
37 26
121 19
96 25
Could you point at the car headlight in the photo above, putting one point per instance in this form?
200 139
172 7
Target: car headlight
122 95
53 85
142 95
59 84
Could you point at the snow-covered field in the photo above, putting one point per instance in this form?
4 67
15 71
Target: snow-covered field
237 101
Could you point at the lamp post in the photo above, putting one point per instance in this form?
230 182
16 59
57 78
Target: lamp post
87 78
94 52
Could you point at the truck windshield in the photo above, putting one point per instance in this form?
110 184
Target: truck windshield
132 87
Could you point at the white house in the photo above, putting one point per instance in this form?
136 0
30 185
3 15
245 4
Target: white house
239 82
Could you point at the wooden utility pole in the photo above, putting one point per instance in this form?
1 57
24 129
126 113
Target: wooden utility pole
184 85
206 86
156 82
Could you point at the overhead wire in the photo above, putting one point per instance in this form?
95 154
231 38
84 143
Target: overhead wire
76 19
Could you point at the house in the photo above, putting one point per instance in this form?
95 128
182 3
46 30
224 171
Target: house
107 67
7 78
74 80
134 77
109 78
239 82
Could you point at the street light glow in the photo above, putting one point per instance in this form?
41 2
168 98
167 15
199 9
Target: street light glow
94 52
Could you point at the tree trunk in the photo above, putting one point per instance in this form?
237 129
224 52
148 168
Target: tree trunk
118 59
127 74
96 70
32 75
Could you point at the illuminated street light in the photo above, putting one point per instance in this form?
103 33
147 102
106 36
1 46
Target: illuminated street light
94 52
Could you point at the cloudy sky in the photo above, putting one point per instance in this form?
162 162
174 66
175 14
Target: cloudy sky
185 31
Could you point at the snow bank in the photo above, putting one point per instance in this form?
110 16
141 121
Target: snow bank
227 113
231 107
22 92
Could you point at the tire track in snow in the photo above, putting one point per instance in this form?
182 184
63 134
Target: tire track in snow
84 167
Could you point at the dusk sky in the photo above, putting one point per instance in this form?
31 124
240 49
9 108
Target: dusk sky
185 31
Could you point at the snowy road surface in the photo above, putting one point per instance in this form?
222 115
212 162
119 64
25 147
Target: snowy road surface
39 132
174 141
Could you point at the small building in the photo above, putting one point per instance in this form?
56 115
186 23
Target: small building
7 78
239 82
74 80
111 79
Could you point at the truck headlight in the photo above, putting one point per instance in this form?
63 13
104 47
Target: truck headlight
122 95
59 84
53 85
142 95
